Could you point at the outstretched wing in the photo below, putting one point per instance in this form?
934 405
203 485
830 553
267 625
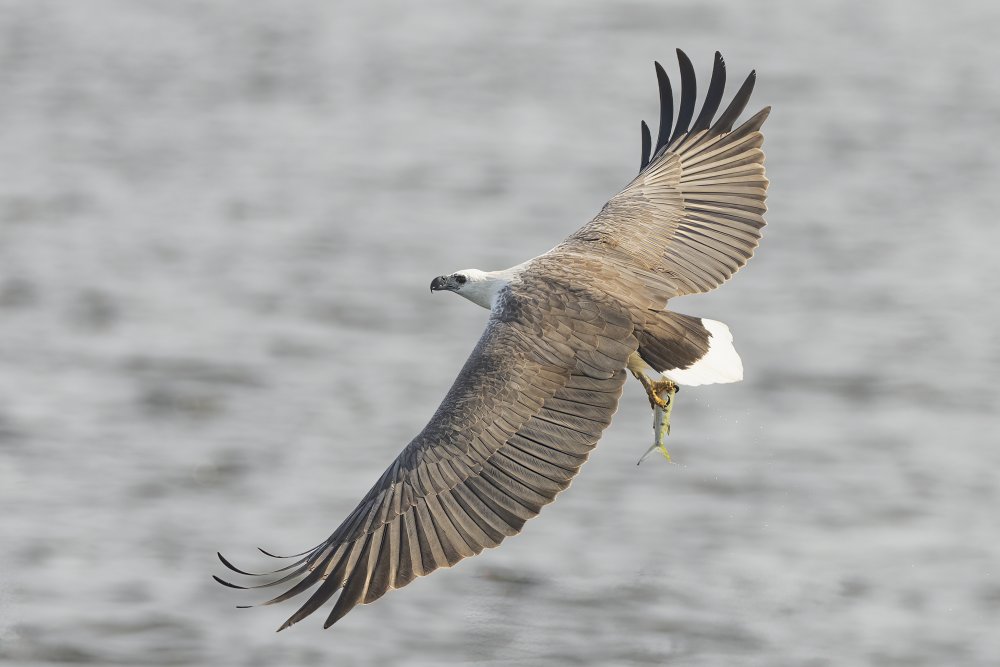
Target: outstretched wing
693 215
520 420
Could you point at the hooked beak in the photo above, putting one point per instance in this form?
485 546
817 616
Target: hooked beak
439 283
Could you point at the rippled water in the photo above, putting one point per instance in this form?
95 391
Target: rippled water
217 226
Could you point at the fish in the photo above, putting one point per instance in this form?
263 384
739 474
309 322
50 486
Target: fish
661 423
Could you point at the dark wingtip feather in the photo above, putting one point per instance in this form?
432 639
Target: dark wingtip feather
276 582
319 597
268 553
646 142
233 567
716 87
689 91
335 616
306 583
226 583
348 600
666 107
256 574
736 106
753 123
354 587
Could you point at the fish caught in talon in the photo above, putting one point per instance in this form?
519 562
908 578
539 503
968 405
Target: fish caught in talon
661 421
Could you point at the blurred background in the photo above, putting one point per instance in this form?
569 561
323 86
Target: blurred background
218 222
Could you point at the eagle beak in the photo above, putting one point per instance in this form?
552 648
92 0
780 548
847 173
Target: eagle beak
439 283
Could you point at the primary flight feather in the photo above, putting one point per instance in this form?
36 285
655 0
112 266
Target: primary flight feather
544 380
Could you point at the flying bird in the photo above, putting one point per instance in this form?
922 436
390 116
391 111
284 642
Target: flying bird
564 331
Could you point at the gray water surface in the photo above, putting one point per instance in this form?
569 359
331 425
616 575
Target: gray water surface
218 222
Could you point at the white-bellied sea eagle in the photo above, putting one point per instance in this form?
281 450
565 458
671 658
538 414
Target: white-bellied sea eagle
544 380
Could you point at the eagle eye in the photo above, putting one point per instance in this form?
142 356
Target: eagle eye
460 279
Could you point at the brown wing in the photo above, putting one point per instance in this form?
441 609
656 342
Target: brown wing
520 420
693 215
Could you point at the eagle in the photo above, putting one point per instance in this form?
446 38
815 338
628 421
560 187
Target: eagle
565 330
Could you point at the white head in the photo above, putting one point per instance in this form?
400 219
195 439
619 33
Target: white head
479 287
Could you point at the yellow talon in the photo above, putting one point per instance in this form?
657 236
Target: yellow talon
660 392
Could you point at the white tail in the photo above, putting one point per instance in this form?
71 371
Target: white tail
721 364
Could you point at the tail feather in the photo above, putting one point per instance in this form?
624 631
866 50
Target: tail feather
689 350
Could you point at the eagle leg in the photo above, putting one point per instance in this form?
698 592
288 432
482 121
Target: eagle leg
660 391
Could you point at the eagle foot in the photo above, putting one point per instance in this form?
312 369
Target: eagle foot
660 392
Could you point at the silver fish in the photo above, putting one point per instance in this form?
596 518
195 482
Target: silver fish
661 424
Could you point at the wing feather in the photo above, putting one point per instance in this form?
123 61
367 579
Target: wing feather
559 457
716 86
410 564
736 106
646 142
689 94
666 108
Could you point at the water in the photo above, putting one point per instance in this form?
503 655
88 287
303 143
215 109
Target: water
217 226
